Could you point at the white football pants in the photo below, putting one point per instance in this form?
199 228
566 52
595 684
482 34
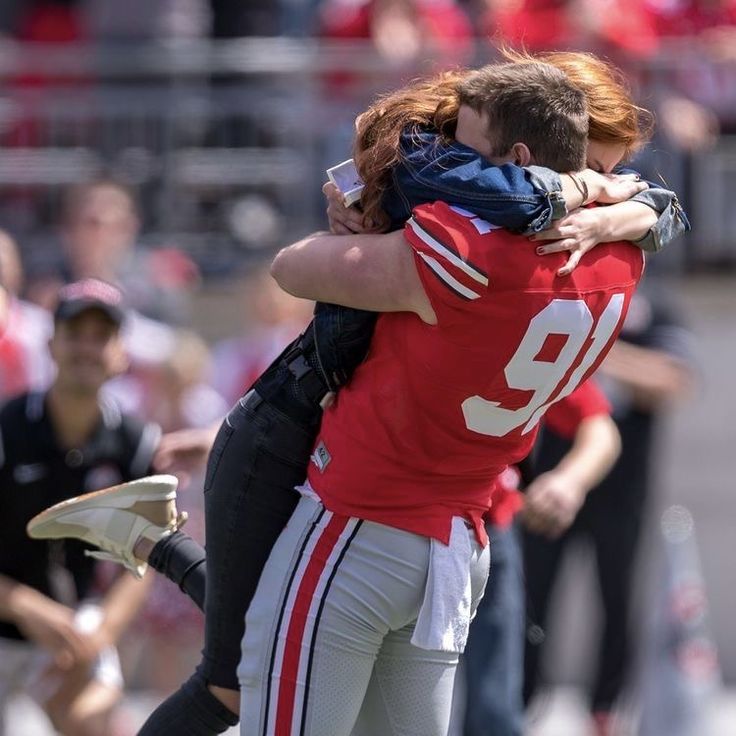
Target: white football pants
327 647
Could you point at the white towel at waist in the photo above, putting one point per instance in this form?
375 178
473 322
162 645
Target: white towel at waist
305 489
445 615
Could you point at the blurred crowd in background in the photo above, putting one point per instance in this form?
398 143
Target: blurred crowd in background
170 147
224 114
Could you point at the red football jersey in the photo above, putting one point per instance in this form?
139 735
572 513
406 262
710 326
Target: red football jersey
436 412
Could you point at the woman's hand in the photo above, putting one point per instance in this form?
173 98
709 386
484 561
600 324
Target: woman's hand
577 232
343 220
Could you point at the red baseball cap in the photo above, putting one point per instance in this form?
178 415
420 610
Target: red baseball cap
81 296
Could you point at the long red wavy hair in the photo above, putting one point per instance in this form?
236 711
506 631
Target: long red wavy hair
434 103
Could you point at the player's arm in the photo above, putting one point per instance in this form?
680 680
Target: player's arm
373 272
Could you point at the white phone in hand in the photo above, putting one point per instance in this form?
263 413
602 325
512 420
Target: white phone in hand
345 177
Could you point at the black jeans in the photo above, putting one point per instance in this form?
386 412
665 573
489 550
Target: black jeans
259 455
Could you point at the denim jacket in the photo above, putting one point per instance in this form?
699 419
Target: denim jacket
524 200
672 221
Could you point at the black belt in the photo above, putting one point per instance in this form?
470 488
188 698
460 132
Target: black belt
309 380
252 400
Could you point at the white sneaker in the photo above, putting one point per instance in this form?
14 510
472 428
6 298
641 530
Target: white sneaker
115 518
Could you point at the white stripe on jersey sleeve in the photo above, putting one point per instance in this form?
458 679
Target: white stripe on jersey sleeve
445 252
448 278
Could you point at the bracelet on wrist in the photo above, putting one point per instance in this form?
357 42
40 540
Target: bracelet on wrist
582 187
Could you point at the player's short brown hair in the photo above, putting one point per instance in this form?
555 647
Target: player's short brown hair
613 115
532 103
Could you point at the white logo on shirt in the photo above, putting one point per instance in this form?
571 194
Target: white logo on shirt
29 473
320 457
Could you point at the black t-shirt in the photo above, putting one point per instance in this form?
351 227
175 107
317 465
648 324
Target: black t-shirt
35 472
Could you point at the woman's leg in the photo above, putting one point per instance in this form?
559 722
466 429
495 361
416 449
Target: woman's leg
182 560
258 457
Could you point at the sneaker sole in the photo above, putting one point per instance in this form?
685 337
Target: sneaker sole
123 496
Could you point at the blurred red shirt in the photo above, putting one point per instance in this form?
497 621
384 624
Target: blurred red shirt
563 418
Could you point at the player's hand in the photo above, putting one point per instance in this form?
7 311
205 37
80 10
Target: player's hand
50 625
184 452
577 232
343 220
551 503
611 188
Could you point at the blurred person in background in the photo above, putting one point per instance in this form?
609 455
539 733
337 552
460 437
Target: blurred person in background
99 234
25 360
237 18
139 21
57 640
400 30
9 11
532 24
494 657
271 319
623 27
49 21
649 368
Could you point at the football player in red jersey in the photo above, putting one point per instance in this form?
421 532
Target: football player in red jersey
385 557
243 459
